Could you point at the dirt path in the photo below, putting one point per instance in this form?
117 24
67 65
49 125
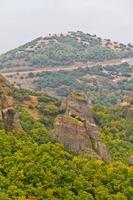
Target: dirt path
67 68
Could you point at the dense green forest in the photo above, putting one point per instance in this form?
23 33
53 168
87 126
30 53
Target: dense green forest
32 166
47 171
116 130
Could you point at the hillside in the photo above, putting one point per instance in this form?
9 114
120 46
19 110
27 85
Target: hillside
103 83
57 64
92 80
75 147
65 49
34 166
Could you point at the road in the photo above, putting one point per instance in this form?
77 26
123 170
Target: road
75 66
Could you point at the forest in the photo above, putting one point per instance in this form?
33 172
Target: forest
34 167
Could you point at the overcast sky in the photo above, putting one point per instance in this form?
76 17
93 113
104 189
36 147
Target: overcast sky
24 20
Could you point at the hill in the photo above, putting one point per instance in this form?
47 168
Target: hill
65 49
103 83
78 147
94 80
34 166
57 64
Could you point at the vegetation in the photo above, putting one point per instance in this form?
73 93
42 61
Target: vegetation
20 94
116 130
47 171
64 50
104 83
33 167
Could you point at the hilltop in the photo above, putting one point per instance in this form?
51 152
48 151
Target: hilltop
65 49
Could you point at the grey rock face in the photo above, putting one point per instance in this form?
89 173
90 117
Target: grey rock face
71 133
76 128
102 149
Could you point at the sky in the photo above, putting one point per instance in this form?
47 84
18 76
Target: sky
24 20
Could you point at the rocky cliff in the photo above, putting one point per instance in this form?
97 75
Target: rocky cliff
76 129
8 117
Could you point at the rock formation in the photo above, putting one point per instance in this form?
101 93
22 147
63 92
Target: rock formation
127 106
130 160
8 117
75 128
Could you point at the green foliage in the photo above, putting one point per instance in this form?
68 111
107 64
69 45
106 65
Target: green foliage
34 167
47 171
116 130
31 165
46 99
20 94
48 109
105 84
47 121
36 131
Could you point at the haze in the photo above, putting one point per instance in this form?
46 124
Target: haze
22 21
